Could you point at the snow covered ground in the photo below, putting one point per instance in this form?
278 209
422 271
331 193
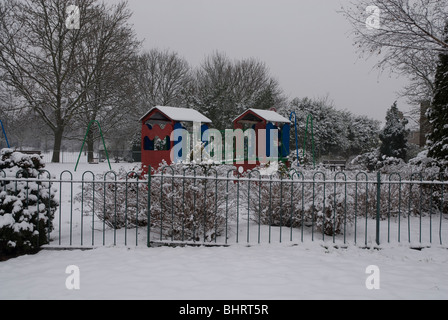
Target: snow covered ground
270 272
309 270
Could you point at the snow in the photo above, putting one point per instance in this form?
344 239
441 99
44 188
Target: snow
181 114
268 115
23 226
6 220
262 272
276 271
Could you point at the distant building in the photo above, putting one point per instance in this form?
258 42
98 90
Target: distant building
418 135
414 137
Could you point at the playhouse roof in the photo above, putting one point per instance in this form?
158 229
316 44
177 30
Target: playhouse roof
180 114
268 115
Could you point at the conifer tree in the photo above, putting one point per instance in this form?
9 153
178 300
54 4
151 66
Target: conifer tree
394 135
438 112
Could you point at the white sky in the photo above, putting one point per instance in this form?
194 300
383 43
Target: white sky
305 43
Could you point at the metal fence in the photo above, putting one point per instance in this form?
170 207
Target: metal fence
206 207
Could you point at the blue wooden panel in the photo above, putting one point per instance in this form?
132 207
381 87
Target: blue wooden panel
148 144
204 139
269 139
284 146
178 137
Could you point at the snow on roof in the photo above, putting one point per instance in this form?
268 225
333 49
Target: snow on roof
181 114
268 115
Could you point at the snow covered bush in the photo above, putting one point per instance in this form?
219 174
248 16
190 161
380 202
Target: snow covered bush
374 161
304 159
26 208
430 167
270 201
367 161
185 209
330 207
332 214
117 199
285 201
191 208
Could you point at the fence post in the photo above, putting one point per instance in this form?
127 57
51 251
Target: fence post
148 231
378 207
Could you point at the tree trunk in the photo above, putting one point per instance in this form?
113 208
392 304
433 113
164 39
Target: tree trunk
90 143
57 145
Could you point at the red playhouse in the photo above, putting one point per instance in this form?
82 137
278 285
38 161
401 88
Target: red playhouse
263 121
158 125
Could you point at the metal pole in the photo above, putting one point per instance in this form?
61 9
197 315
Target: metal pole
378 208
4 133
149 209
310 117
297 137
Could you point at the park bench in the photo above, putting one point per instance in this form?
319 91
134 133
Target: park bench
31 152
334 164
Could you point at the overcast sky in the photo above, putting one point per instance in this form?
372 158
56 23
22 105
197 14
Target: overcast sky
305 43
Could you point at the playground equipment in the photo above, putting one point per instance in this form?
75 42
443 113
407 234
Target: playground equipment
85 137
296 135
158 125
253 140
264 121
160 138
309 120
310 117
4 134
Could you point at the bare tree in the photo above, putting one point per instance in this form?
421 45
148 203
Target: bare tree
407 38
38 57
161 78
42 57
223 89
105 72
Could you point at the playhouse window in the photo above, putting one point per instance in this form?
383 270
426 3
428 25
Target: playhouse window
157 144
148 144
158 118
161 144
250 119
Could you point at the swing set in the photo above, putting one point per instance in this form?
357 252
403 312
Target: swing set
309 124
85 138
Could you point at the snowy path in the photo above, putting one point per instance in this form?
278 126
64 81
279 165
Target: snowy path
307 271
